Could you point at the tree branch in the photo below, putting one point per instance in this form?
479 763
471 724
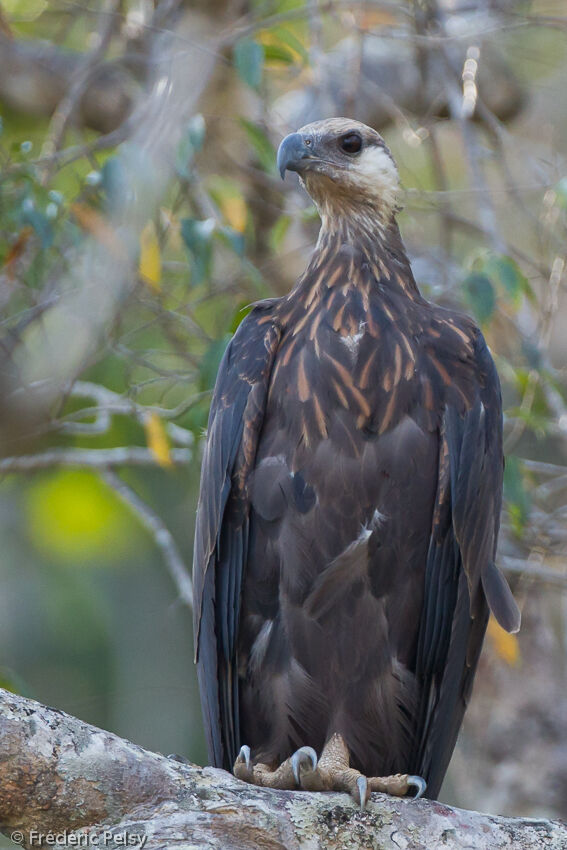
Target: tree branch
61 776
70 102
35 77
89 459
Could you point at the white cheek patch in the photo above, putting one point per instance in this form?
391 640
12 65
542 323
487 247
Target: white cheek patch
375 172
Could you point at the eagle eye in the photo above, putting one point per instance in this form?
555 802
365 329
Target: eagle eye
351 142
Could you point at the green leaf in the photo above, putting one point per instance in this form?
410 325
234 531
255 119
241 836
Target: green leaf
480 295
249 61
278 53
198 236
190 144
290 40
39 222
261 144
196 129
233 239
505 272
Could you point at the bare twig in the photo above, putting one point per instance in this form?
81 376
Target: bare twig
90 459
109 402
543 468
70 154
178 570
532 570
70 102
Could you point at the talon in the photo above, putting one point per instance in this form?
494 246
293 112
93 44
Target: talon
300 756
363 791
244 756
419 784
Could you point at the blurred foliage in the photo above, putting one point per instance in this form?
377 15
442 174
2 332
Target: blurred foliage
73 517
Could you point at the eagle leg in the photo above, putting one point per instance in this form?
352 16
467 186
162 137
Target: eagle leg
333 773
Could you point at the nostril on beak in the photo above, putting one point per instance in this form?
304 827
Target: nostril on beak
293 150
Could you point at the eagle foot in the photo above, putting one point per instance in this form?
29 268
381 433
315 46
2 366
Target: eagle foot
282 777
332 772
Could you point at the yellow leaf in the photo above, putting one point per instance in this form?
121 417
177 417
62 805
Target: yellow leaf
150 257
505 645
227 195
157 441
234 209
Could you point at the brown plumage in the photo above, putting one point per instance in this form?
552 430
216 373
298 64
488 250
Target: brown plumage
350 496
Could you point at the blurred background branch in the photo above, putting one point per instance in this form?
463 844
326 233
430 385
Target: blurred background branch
141 214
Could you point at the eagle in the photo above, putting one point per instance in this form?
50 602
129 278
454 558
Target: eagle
351 487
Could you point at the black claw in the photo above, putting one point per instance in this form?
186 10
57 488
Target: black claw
301 756
418 783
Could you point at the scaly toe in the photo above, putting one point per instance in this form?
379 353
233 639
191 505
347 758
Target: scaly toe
303 756
418 783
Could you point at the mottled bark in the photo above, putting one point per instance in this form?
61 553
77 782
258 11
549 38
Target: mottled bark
60 776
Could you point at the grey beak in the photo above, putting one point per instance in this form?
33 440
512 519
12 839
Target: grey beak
291 153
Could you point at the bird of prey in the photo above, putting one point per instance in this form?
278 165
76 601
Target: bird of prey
350 498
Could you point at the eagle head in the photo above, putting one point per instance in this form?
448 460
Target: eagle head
344 166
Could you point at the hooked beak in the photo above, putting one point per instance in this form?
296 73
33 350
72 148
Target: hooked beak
293 153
